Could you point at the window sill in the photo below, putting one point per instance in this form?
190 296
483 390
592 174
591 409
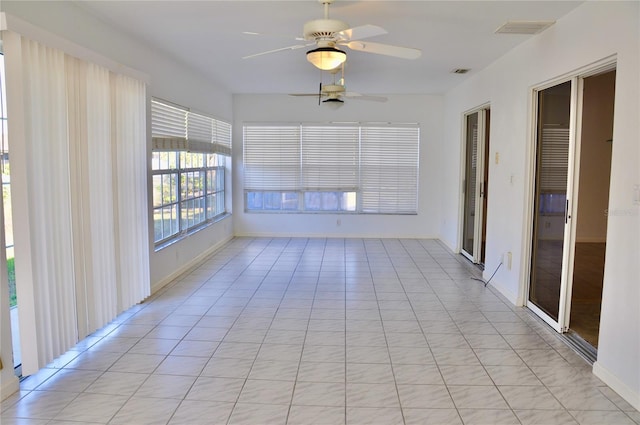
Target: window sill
182 236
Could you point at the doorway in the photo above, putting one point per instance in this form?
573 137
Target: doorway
476 178
596 146
574 138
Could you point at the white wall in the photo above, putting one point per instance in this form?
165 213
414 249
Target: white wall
593 31
425 110
169 80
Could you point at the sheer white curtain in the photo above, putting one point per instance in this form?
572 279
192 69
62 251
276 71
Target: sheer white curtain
77 136
89 116
102 303
131 172
50 301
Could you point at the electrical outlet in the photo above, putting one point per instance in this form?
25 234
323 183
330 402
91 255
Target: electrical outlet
506 259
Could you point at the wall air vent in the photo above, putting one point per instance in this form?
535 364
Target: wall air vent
524 27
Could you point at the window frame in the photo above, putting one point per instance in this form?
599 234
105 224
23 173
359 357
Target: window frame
196 161
181 173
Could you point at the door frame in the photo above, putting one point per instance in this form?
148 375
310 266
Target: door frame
573 172
481 165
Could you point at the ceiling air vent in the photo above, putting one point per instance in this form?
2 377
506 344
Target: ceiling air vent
461 70
524 27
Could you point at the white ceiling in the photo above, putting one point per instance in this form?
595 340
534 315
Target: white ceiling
208 37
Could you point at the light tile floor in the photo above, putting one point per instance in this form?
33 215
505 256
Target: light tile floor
322 331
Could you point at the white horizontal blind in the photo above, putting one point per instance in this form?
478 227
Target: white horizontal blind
379 162
554 160
330 158
389 169
472 176
168 126
272 158
222 137
199 128
200 133
175 128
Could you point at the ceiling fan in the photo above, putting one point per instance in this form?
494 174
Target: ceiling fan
329 34
334 93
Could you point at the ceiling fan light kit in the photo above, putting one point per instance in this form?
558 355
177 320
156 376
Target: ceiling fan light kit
333 102
326 58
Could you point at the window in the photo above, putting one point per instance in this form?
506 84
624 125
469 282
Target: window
552 203
330 201
331 168
389 170
190 152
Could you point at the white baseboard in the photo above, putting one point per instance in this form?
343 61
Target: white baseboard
632 397
445 242
510 296
191 264
325 235
9 387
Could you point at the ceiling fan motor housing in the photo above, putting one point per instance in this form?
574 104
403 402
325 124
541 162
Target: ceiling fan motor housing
323 30
332 89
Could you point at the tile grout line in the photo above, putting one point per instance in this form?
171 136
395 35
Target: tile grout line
293 392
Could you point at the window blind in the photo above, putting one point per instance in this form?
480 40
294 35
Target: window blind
168 126
473 167
199 133
272 158
175 128
380 162
389 169
222 137
330 158
554 157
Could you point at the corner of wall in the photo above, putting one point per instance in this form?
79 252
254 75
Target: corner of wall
506 292
155 287
631 396
448 244
10 384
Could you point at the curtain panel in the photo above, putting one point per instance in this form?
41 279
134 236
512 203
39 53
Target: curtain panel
77 137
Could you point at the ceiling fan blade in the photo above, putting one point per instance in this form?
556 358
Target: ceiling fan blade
304 94
271 35
295 47
358 33
353 95
384 49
